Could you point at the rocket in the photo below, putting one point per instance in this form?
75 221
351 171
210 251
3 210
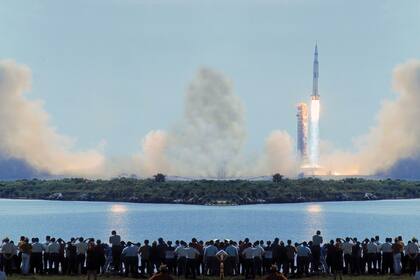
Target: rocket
315 94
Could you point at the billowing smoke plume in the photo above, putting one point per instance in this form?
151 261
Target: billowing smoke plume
25 132
153 158
208 139
396 135
279 155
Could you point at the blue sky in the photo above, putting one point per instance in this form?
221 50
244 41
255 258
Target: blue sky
115 70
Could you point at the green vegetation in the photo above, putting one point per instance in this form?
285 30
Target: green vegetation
210 192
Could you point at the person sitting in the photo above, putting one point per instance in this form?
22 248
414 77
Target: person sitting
275 274
162 274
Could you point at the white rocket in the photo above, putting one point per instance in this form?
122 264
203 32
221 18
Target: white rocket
315 94
314 116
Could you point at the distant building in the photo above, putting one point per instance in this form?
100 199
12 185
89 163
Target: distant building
302 132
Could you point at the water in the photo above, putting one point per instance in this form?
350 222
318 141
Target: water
137 222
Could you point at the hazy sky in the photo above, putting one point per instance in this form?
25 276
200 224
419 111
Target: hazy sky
114 70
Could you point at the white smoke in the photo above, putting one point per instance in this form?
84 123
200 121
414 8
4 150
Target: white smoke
209 138
26 134
396 133
279 155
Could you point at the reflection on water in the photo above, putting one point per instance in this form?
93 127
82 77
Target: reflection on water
314 219
118 208
314 208
116 218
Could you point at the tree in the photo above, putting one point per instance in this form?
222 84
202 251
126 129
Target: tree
277 178
159 178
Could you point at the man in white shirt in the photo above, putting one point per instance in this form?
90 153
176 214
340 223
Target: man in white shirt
303 253
7 249
248 255
210 260
36 256
2 275
387 262
258 255
81 248
347 247
181 255
131 259
53 249
191 255
372 248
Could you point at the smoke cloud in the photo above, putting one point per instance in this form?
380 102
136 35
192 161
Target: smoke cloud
208 139
279 155
26 134
395 136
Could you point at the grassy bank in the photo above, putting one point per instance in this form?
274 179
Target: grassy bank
210 192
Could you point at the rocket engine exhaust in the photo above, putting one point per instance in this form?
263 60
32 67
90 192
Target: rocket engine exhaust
314 132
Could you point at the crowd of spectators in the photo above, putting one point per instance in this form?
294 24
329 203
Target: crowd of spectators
212 258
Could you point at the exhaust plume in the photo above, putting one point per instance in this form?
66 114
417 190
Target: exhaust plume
209 138
395 136
25 132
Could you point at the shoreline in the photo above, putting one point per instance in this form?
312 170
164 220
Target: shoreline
209 205
210 193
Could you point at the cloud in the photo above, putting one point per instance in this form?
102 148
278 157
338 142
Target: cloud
26 133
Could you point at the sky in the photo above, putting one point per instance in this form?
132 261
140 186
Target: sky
111 71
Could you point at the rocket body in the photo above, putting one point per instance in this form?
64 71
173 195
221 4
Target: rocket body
314 115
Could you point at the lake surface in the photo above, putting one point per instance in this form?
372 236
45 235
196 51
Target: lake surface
137 222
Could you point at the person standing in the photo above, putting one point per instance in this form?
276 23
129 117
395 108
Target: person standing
7 249
91 261
397 249
232 259
248 258
317 241
170 258
36 257
347 246
46 253
81 249
209 258
412 252
378 258
258 257
191 255
145 252
130 258
53 256
303 255
180 253
337 267
115 242
25 250
372 249
387 261
291 253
